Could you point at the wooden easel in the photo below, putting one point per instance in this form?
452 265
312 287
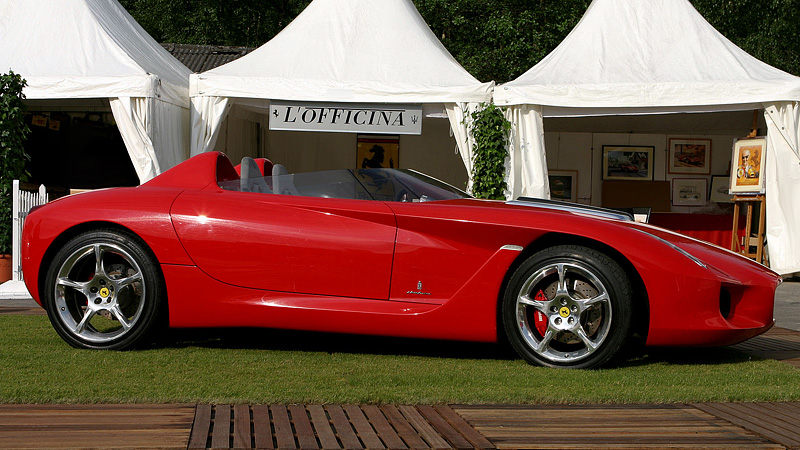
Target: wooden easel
742 244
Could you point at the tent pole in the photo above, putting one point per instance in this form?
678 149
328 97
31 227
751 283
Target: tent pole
754 129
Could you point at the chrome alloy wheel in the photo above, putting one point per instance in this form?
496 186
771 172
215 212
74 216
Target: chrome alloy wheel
99 292
563 312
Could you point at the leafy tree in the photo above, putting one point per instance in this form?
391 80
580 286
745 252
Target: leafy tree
493 39
766 29
248 23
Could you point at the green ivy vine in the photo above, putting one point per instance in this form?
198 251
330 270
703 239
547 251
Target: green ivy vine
13 131
490 131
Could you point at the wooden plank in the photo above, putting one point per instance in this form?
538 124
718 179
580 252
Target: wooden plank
262 430
740 415
241 427
363 428
283 427
383 428
221 432
79 439
471 434
302 428
422 426
202 423
443 428
343 429
404 429
322 426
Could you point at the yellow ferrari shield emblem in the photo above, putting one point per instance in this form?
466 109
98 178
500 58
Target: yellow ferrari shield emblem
104 292
563 312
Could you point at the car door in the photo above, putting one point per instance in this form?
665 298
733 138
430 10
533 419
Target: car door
288 243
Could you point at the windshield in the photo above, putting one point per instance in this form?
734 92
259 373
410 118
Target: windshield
399 185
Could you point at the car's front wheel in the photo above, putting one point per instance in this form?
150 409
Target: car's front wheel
102 291
568 306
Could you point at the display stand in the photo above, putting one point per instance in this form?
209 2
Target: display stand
749 244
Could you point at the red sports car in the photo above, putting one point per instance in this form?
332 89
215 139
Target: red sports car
379 252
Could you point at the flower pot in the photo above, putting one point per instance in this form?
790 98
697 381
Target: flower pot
5 268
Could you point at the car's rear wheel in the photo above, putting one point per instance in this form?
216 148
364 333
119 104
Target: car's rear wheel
568 306
102 291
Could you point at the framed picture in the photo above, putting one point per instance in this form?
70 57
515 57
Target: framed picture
627 162
689 156
747 163
720 184
377 152
563 185
689 191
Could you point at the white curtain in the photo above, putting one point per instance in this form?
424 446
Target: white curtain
460 121
134 117
171 134
208 113
527 168
783 186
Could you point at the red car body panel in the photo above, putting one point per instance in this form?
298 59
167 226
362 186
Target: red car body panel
428 270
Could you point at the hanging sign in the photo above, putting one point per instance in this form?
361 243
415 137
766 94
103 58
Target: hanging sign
345 117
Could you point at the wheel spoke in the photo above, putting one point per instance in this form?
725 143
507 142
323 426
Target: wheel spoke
562 280
591 345
129 280
527 300
121 317
66 282
98 257
545 342
87 316
602 298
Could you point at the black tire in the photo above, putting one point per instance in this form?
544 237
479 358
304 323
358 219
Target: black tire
568 306
103 290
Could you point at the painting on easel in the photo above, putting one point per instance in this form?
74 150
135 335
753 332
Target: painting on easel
747 166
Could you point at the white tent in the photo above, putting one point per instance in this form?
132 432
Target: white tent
656 57
82 49
346 51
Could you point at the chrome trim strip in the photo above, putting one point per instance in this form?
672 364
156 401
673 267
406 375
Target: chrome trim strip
678 249
514 248
572 208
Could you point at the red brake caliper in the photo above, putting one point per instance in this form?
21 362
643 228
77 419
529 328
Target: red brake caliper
540 318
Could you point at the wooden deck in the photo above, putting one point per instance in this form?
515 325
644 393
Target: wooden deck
616 427
333 427
778 343
319 427
95 426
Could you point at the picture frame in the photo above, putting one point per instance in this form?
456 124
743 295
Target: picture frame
747 165
378 151
689 156
689 191
563 185
720 186
628 162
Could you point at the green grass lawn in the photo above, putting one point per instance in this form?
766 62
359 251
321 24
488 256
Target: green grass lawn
260 366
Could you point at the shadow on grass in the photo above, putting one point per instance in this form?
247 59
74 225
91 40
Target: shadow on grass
289 340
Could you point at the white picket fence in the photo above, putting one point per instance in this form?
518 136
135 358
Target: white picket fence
24 201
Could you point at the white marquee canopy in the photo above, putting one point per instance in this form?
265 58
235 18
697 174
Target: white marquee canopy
345 51
655 57
95 49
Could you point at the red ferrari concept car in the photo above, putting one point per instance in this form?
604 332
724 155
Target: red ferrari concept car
379 252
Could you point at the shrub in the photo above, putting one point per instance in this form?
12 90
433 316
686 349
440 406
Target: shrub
490 130
13 132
